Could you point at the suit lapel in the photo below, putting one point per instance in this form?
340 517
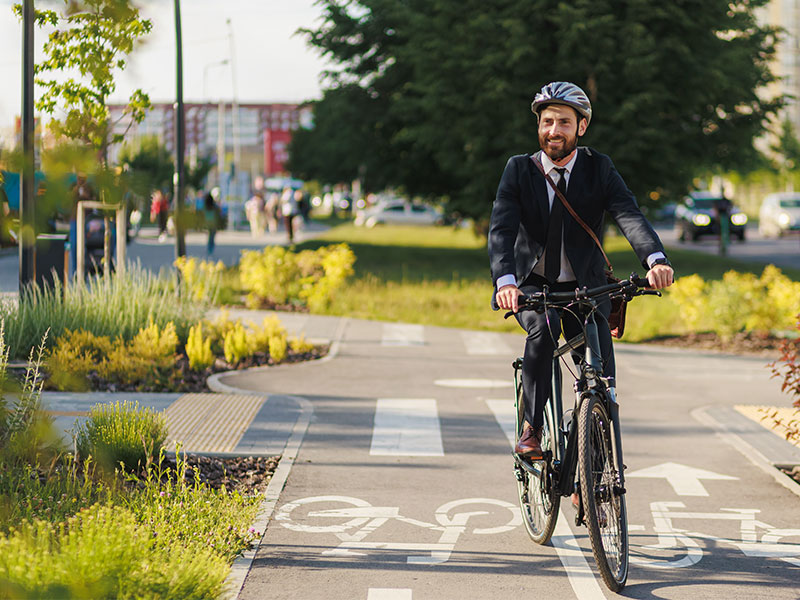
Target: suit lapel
540 190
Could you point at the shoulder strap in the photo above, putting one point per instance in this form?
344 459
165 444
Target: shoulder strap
571 210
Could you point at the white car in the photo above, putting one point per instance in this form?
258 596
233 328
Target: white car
779 214
398 212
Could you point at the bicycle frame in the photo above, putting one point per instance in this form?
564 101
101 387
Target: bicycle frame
564 460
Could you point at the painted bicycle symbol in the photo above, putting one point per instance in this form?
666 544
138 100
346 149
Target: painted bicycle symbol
681 544
357 519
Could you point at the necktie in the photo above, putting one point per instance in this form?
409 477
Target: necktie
552 255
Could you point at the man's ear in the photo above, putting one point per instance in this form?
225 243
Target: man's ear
582 126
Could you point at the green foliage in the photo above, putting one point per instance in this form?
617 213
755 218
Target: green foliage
148 165
277 275
104 552
121 433
118 306
433 97
198 350
92 38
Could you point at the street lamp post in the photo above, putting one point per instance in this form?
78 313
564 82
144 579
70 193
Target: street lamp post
180 140
27 234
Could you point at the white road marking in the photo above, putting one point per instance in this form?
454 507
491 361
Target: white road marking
579 573
406 427
684 480
389 594
474 383
402 334
504 413
484 343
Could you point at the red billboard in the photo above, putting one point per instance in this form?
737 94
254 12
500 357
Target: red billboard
276 144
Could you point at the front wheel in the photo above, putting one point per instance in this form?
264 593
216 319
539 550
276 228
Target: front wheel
602 494
538 498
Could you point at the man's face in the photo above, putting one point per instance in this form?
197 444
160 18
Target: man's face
559 130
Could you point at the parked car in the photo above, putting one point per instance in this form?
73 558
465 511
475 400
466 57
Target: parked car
779 214
698 215
398 212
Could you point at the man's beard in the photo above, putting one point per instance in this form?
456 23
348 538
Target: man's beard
556 154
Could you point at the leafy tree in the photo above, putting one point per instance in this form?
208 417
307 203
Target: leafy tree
441 89
149 165
92 38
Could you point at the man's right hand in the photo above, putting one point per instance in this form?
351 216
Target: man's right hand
507 297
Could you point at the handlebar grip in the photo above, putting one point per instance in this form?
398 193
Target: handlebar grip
640 281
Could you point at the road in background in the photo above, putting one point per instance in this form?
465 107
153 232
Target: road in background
783 252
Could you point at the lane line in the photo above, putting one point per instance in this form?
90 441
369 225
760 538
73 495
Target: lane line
406 427
579 573
480 343
403 334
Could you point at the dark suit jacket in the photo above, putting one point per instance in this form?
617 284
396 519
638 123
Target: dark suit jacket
518 226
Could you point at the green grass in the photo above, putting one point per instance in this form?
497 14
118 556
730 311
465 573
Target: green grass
440 276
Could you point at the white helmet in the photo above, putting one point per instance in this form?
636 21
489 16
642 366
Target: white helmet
566 93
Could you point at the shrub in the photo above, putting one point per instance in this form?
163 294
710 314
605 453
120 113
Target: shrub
117 306
103 552
738 302
300 345
198 349
238 344
279 276
201 280
121 433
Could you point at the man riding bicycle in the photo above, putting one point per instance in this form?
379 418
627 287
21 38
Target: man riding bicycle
534 241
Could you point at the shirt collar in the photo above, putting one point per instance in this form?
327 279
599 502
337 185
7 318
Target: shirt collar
549 165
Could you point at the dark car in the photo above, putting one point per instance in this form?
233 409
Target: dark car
699 215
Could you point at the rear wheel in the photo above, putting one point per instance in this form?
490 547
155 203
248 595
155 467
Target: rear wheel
538 499
602 495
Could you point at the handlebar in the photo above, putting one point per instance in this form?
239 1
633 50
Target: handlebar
626 288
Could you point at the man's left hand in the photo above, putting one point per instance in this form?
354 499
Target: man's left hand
660 276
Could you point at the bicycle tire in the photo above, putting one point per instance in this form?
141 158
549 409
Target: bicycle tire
604 503
538 498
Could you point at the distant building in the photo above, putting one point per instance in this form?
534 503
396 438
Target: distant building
264 131
786 66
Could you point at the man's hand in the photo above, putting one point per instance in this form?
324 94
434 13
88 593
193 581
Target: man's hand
660 276
508 297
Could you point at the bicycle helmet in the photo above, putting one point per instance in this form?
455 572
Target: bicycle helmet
566 93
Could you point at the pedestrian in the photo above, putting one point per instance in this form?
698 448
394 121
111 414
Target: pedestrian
159 209
255 211
272 211
534 241
212 218
289 210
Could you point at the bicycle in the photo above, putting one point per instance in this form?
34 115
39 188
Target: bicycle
584 441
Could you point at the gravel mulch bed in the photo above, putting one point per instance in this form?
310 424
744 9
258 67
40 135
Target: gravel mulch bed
247 475
742 343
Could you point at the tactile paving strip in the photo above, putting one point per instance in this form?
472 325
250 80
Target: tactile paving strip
210 422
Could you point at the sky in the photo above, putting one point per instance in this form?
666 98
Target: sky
271 64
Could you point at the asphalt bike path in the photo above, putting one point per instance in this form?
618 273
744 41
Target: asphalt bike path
402 486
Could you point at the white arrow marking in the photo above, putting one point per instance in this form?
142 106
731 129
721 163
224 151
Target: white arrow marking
684 480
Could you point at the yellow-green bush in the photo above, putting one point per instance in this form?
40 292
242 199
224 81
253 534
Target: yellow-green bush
738 302
201 279
146 358
238 345
300 345
198 350
279 276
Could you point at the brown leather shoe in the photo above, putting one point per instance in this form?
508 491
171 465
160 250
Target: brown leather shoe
530 443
